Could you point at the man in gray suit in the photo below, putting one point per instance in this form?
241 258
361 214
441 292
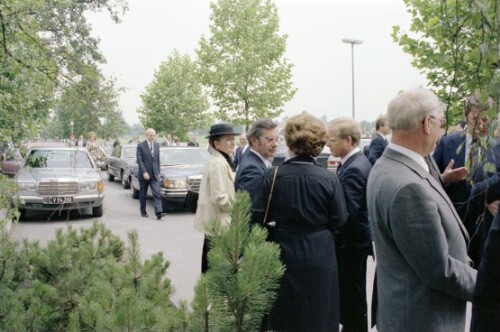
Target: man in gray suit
424 277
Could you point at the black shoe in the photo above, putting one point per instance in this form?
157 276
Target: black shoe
159 216
144 214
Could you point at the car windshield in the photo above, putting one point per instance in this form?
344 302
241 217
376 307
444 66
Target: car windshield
186 156
130 151
59 159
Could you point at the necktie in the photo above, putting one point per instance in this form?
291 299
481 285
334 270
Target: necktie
151 148
338 167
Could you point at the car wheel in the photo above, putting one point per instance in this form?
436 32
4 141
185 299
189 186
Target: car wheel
125 183
23 214
97 211
111 177
135 193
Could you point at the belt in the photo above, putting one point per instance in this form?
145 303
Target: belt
302 228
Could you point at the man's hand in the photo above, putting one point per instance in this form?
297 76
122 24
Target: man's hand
145 176
451 175
493 207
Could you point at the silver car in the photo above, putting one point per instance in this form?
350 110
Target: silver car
60 178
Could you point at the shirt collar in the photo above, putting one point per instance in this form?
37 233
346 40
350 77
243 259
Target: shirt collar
264 160
347 156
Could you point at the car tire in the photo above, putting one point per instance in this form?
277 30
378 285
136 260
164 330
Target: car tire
135 193
23 214
97 211
111 177
125 183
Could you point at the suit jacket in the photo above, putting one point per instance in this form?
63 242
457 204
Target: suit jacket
487 293
423 274
147 162
453 147
216 193
77 143
238 155
353 176
377 147
250 174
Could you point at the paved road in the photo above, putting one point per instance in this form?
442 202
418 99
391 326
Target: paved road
174 235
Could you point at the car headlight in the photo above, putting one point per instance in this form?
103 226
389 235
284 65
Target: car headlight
92 186
27 186
174 184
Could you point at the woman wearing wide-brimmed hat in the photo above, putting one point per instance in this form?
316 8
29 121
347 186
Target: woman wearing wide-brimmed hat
217 184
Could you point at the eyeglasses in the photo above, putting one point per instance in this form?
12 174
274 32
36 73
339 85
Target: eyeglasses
271 139
441 120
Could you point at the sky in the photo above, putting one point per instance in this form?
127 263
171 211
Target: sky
151 29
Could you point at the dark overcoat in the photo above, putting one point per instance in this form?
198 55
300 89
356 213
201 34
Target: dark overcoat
307 205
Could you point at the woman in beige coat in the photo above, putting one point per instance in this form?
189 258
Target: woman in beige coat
217 184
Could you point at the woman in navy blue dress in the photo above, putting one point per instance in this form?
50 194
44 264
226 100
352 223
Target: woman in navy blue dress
307 205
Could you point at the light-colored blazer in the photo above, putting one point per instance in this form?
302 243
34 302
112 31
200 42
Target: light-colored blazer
423 274
216 192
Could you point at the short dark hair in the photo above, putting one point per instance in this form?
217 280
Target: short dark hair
381 121
258 126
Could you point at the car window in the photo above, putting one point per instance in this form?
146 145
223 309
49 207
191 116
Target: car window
130 151
59 159
183 156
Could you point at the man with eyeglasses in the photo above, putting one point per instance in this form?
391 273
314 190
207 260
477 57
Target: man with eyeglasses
424 276
463 149
263 138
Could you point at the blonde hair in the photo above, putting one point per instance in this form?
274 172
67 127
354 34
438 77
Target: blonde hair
305 135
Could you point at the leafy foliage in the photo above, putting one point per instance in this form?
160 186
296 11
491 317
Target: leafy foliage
242 62
244 273
174 101
455 43
44 47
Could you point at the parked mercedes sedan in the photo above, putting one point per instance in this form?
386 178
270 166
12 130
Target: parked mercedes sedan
59 178
181 169
119 163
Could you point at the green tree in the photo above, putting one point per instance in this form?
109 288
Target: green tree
243 277
455 44
44 46
174 101
92 105
243 64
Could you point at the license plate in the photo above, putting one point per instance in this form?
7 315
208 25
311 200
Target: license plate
57 200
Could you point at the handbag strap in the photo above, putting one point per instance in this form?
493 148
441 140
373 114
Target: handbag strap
270 195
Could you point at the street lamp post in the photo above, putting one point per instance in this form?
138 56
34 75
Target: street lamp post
352 42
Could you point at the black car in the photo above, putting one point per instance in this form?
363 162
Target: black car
119 163
181 169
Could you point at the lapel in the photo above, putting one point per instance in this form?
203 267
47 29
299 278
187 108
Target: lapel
345 165
418 170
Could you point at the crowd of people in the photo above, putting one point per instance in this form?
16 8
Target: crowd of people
416 202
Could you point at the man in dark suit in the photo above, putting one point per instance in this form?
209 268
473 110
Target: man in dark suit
240 150
81 142
487 293
263 137
353 240
148 158
461 149
379 142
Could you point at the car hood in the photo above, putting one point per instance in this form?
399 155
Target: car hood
39 174
180 171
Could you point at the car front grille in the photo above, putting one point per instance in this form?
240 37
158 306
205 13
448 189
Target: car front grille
194 183
58 188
